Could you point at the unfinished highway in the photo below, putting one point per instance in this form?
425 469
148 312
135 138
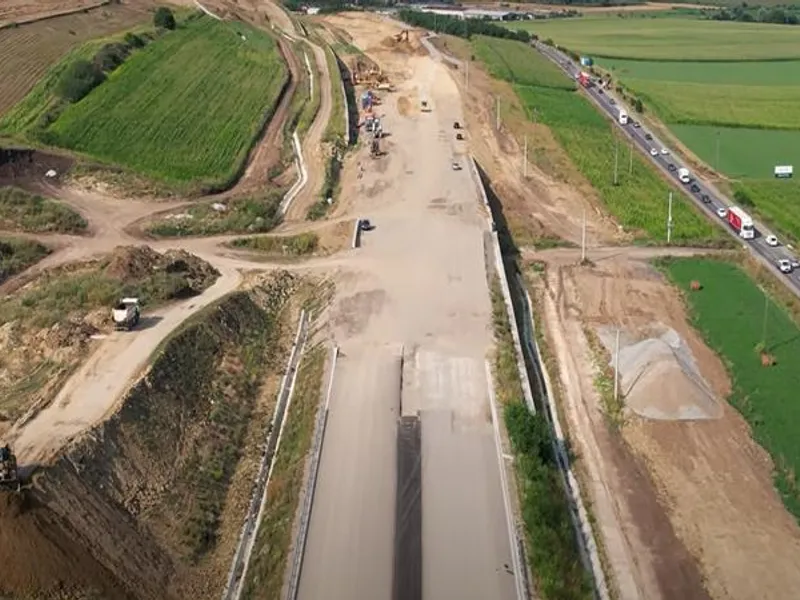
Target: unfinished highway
408 501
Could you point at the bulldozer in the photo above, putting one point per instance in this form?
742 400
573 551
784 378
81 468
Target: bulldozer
9 476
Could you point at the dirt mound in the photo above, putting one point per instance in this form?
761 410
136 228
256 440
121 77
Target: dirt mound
660 380
133 263
61 568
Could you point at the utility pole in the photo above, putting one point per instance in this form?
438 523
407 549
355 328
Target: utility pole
497 114
616 369
630 159
525 159
616 161
669 219
583 238
766 312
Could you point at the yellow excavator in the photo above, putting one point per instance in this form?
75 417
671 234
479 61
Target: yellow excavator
9 475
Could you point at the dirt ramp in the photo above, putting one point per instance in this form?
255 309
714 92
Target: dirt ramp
62 567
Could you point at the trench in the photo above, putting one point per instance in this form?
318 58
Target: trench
407 582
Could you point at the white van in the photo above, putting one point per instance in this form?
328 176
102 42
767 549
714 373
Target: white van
623 117
684 176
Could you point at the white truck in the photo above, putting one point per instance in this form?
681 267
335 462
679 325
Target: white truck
126 314
623 117
741 222
684 176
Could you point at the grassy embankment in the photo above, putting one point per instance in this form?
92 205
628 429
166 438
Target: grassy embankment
146 116
551 543
21 211
726 90
17 254
730 312
288 246
243 215
639 202
335 137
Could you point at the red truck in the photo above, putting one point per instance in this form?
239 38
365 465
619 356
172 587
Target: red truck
585 79
741 222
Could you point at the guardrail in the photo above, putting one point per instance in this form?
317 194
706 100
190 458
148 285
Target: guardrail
308 499
578 514
356 233
302 175
241 559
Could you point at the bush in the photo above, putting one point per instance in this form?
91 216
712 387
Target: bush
742 198
164 18
134 41
110 56
637 105
80 78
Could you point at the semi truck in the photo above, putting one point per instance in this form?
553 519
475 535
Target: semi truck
585 79
623 117
684 176
741 222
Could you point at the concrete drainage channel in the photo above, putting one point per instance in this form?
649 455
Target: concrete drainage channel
528 361
311 484
258 501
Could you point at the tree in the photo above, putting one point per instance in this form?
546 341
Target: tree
164 18
637 105
80 78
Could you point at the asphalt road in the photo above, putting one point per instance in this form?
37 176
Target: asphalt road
707 198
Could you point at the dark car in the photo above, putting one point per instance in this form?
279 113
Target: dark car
365 225
611 101
705 198
647 136
695 188
671 167
600 91
636 124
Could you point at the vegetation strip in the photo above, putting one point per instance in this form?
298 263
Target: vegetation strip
274 537
16 255
552 547
22 211
761 351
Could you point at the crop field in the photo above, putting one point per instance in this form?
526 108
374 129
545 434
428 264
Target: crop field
740 114
640 200
186 108
669 39
27 51
514 62
729 311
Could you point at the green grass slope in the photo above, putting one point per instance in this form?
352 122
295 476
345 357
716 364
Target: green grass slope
187 108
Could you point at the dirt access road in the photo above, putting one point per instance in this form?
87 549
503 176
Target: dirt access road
418 286
684 498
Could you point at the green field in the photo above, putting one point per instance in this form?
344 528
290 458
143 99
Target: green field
185 109
639 202
669 39
729 311
512 61
751 107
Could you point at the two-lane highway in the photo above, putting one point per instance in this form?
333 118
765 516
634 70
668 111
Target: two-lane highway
707 198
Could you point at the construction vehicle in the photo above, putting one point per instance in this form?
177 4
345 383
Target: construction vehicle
456 125
9 476
403 35
425 107
126 314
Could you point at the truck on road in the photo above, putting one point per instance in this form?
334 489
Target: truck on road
741 222
126 314
684 176
585 79
623 117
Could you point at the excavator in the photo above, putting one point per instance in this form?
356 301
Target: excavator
9 476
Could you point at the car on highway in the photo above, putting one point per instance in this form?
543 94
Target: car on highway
671 167
664 151
785 265
611 101
653 152
722 212
636 124
705 198
647 136
456 166
695 188
772 241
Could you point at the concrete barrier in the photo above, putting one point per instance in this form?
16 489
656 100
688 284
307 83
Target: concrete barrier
302 175
308 498
241 559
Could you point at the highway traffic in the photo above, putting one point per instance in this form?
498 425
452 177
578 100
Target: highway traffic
714 204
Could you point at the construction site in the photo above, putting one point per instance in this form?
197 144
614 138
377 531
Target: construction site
308 406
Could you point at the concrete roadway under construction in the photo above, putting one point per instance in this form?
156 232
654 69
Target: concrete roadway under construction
408 501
